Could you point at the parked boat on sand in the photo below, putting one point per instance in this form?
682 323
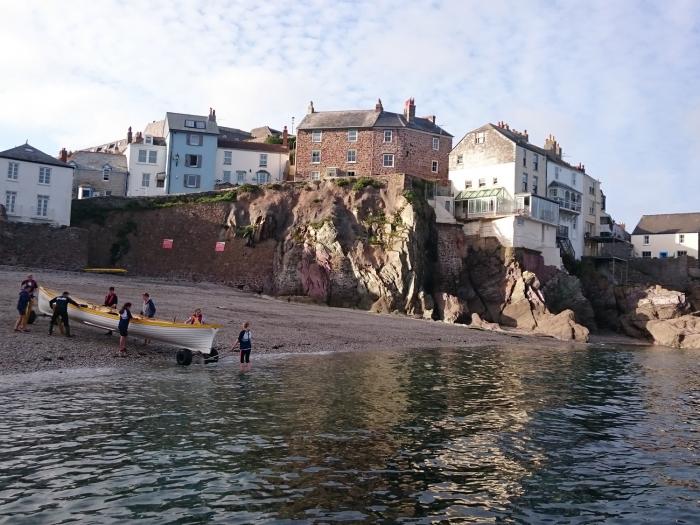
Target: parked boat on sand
198 338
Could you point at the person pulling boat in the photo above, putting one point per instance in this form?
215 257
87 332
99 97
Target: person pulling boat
60 309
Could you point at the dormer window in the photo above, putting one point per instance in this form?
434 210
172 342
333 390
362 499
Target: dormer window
197 124
148 139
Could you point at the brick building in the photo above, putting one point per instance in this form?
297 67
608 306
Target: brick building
374 142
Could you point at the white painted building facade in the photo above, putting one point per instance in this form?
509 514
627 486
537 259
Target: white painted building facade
250 162
565 185
35 187
146 160
668 235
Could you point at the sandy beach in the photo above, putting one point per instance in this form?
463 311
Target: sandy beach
278 326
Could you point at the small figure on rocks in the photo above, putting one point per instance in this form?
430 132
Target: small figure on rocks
245 344
22 305
60 309
124 319
148 310
111 301
196 317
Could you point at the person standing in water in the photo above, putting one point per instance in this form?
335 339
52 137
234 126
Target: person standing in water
148 311
245 343
124 319
111 301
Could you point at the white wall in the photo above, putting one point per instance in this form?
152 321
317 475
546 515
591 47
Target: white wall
135 186
505 173
249 162
669 243
27 188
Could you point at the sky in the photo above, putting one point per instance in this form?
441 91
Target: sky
617 82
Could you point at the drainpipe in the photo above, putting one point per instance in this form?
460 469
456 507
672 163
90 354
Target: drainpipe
168 150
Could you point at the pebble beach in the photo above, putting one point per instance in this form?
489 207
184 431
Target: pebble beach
278 325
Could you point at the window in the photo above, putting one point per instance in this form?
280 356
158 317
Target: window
663 255
108 193
148 139
480 138
240 176
192 181
194 139
524 183
681 238
495 181
315 175
198 124
557 169
105 173
42 205
482 183
573 179
388 135
263 160
448 205
460 160
143 155
535 183
552 192
227 176
536 162
524 158
646 255
352 135
316 136
352 155
681 252
193 161
262 177
228 155
436 143
591 210
160 182
10 199
12 170
388 160
189 123
467 184
351 173
646 240
331 172
152 157
145 180
316 157
434 166
591 190
44 175
573 225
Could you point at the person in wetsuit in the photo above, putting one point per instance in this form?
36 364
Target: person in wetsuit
60 310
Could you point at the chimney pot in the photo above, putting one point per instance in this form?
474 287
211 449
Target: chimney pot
378 107
311 109
63 155
285 138
129 136
409 109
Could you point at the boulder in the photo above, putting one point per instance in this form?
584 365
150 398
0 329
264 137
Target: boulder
680 332
640 304
564 291
562 326
478 322
451 308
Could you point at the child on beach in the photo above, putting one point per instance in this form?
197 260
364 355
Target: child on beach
124 318
22 304
244 342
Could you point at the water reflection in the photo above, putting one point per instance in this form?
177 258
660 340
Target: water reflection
479 435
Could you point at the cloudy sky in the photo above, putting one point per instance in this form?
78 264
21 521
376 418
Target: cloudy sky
618 83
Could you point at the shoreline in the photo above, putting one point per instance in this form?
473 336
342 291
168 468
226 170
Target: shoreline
279 326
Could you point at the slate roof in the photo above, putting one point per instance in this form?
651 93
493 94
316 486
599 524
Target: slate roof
176 121
29 153
252 146
91 160
668 223
362 118
233 133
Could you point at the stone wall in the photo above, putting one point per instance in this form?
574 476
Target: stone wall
671 273
43 246
496 149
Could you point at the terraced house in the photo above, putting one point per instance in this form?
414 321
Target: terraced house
355 143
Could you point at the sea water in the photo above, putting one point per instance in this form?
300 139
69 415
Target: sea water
487 435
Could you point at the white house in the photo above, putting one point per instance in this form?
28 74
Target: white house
500 180
668 235
239 162
36 187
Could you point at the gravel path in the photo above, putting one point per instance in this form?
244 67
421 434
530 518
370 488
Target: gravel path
278 326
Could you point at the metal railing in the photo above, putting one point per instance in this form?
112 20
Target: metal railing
568 204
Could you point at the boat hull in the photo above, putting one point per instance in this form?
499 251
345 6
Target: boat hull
193 337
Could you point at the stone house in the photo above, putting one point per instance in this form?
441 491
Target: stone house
97 174
667 235
500 184
356 143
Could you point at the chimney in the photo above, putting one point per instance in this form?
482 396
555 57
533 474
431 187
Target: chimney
285 138
311 109
527 137
63 155
212 115
129 136
551 145
139 137
409 109
378 107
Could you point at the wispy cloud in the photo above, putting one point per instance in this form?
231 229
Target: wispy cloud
617 82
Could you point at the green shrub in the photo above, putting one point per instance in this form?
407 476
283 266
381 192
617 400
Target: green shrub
364 182
249 188
342 182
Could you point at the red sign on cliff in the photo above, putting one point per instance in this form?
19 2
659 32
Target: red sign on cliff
167 244
219 246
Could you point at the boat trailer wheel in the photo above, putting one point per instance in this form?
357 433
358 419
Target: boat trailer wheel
184 357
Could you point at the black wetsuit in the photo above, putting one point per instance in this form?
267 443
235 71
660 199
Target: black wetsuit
61 310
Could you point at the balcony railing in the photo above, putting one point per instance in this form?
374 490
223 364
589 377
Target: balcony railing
568 204
499 204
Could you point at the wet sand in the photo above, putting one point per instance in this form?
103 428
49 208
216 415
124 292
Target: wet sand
278 326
